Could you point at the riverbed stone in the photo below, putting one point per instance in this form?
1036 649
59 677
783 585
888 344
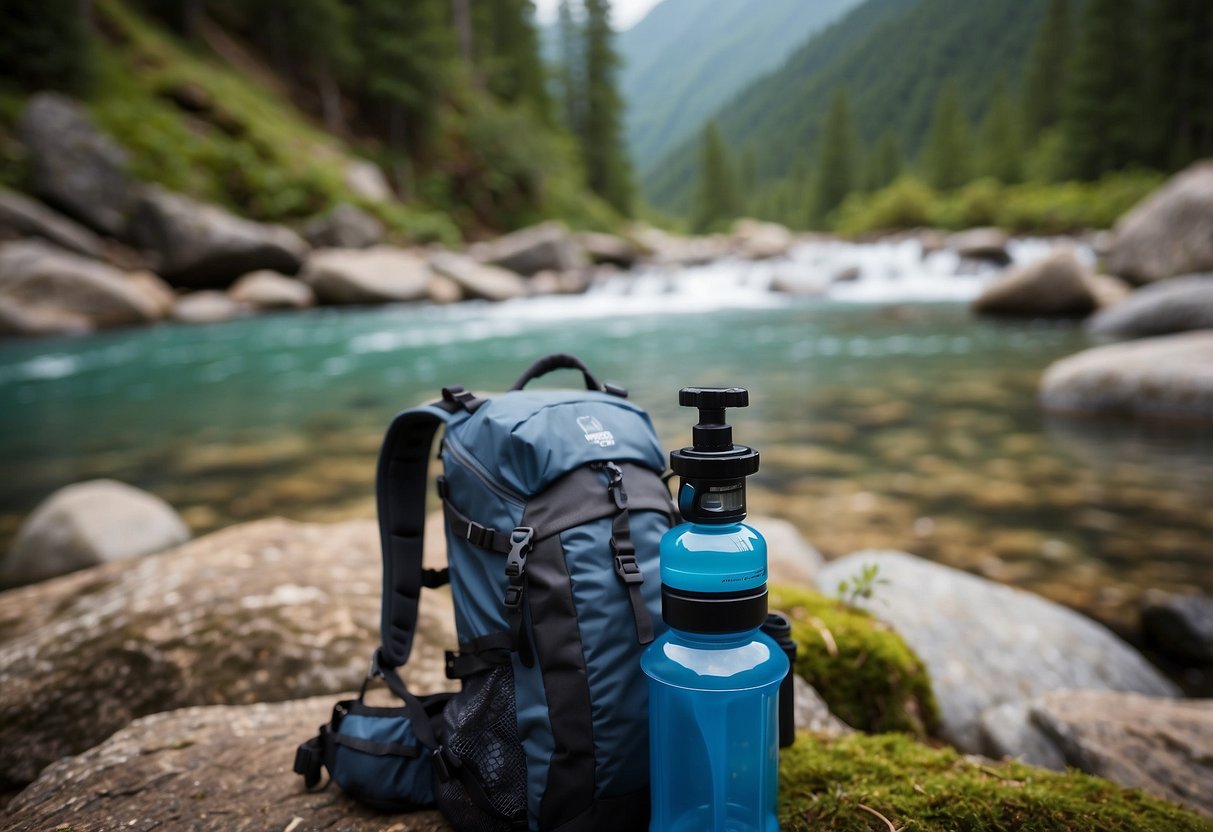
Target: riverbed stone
790 558
220 768
22 217
88 523
1179 304
365 179
1007 731
346 226
981 244
1179 626
197 245
549 245
609 249
381 274
478 280
758 240
265 611
1168 233
265 289
209 306
1055 285
1170 376
74 166
985 644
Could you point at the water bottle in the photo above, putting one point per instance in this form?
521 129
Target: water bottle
714 676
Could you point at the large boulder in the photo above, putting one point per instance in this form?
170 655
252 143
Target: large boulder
609 249
1166 377
210 306
214 768
757 240
86 524
1176 305
74 166
365 179
382 274
266 611
1170 232
981 244
265 289
985 644
1056 285
476 279
199 245
45 290
790 558
346 226
531 250
22 217
1180 626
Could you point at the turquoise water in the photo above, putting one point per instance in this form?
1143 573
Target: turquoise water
907 426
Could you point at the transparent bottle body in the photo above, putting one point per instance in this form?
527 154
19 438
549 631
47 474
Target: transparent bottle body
713 723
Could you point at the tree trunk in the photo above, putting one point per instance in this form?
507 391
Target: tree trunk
330 100
402 171
462 14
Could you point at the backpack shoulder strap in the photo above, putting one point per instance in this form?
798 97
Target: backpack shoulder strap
400 485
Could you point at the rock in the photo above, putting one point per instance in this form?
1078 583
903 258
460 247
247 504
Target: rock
214 768
1168 233
535 249
199 245
265 289
159 294
1056 285
74 166
1170 376
813 714
478 280
1175 305
981 244
761 240
209 306
86 524
1180 626
847 275
442 290
790 558
609 249
985 644
45 290
346 226
382 274
1007 731
672 250
365 179
21 216
266 611
1162 746
1107 290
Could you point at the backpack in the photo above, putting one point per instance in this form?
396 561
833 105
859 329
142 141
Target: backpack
555 505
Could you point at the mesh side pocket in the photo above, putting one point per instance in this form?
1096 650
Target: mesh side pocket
481 732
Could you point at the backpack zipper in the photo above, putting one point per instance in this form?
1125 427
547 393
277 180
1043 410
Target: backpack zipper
464 458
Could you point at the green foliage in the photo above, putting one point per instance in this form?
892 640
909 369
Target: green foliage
416 224
945 159
907 203
999 152
1177 105
844 784
864 671
718 201
44 45
860 586
884 165
1045 76
608 171
835 174
506 48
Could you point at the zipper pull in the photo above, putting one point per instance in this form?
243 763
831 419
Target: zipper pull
615 485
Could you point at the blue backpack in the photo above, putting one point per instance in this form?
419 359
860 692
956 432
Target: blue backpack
555 506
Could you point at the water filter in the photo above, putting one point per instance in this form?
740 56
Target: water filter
714 677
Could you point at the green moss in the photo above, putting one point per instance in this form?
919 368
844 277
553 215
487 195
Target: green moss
824 785
863 670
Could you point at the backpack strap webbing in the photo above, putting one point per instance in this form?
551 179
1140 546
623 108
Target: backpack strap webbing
400 484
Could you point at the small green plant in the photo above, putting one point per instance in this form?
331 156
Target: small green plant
861 586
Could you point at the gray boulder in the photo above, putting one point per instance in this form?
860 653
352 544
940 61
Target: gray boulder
756 240
197 245
981 244
1168 233
88 523
476 279
790 558
1166 377
346 226
366 179
210 306
535 249
985 644
45 290
265 289
74 166
1179 304
22 217
266 611
383 274
609 249
1055 285
1180 626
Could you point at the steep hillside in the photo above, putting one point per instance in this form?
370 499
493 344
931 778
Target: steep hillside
687 57
893 56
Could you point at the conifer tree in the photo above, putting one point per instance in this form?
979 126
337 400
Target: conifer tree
608 171
1044 79
572 67
945 158
717 200
835 159
1178 83
507 54
884 163
1000 149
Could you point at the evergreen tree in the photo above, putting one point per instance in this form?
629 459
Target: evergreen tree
835 159
884 164
572 67
1102 115
717 200
608 172
1044 79
507 54
1000 152
945 158
1178 98
44 45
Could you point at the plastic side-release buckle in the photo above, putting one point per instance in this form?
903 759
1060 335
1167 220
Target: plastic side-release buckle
520 547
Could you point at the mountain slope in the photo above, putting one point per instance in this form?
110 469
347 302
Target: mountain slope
893 56
687 57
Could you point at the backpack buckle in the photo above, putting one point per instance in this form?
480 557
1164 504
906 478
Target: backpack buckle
520 547
628 569
456 395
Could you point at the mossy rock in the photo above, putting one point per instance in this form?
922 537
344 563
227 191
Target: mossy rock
862 783
862 669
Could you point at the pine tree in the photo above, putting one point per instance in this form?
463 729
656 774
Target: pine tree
1044 79
835 159
506 54
1000 151
1178 83
717 200
572 67
945 158
884 163
608 172
1102 117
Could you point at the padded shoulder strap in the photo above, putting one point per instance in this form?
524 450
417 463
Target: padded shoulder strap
400 483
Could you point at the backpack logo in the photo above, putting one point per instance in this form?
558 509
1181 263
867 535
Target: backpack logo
594 432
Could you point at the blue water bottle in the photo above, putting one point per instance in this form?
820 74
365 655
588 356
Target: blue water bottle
714 676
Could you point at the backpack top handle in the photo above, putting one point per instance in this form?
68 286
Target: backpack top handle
565 361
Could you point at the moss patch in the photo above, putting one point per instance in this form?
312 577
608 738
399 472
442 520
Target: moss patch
825 785
863 670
